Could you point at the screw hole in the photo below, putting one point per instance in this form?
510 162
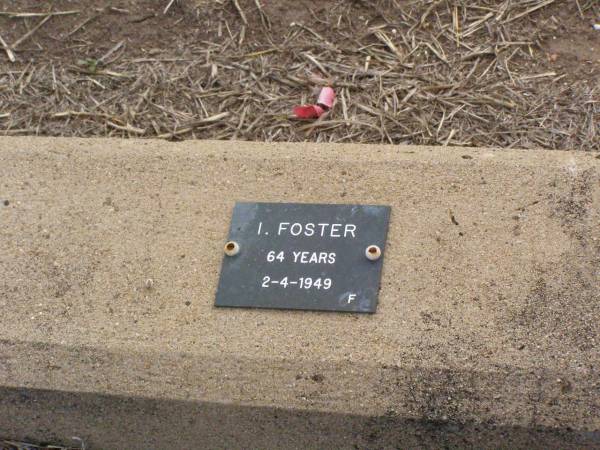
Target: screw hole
373 252
232 248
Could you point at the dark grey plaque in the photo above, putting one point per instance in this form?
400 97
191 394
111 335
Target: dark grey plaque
304 256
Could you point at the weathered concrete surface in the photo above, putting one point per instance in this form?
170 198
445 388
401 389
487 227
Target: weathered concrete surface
486 334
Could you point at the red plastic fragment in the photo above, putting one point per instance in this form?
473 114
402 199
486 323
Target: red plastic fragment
308 111
324 103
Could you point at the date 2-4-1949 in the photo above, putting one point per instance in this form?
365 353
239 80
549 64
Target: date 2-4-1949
301 283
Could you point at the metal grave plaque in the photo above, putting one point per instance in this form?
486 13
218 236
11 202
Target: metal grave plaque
304 256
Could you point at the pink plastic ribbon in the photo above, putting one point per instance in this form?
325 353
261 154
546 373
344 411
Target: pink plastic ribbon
324 103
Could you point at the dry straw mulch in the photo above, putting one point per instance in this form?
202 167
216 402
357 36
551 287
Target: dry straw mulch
443 72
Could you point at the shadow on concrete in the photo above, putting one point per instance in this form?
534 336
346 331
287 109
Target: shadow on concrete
107 421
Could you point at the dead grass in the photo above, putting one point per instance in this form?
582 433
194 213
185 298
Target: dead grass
443 72
15 445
